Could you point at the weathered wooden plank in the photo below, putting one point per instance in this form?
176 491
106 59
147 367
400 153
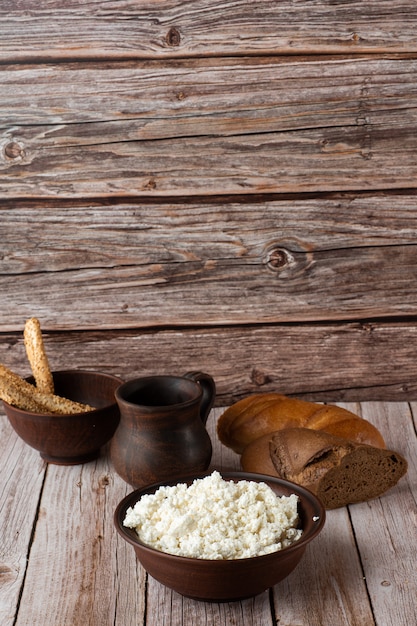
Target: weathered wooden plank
58 29
84 573
413 406
316 361
77 556
386 528
219 127
21 481
328 583
145 100
151 265
347 159
165 607
311 286
56 237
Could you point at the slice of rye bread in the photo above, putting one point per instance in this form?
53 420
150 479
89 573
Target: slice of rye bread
337 470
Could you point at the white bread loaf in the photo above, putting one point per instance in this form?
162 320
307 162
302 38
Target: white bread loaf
260 414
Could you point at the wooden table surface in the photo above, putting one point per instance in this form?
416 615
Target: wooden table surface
63 564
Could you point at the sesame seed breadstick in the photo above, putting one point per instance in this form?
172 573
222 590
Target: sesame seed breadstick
36 354
56 404
18 392
11 393
14 379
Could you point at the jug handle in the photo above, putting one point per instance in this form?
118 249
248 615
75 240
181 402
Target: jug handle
208 388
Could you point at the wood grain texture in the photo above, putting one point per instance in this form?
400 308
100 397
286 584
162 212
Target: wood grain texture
360 570
316 361
231 186
317 287
22 473
300 592
176 28
39 237
114 267
208 127
76 545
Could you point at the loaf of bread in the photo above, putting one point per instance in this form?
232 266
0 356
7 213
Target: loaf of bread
260 414
338 471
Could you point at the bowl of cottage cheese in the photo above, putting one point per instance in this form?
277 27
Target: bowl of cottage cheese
220 536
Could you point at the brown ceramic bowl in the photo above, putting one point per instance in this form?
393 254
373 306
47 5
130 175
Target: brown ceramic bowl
225 580
71 439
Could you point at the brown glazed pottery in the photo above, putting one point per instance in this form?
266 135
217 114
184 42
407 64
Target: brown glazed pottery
162 430
225 580
71 439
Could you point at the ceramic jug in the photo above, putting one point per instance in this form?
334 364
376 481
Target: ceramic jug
162 431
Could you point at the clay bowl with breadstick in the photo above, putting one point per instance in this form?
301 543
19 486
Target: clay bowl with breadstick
69 426
66 415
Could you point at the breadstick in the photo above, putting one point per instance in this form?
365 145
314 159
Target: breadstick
11 392
18 392
36 354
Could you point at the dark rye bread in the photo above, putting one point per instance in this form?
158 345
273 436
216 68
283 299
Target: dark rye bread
338 471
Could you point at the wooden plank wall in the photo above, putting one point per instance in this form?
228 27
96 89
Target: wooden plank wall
225 186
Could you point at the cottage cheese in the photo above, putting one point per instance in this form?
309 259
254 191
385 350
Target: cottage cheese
215 518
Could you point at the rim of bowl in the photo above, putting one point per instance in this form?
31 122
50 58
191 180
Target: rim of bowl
306 537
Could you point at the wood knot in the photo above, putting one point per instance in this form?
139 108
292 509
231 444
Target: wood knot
14 150
277 258
173 37
151 184
260 378
288 258
104 481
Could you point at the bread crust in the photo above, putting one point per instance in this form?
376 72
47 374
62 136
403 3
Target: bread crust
256 457
260 414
